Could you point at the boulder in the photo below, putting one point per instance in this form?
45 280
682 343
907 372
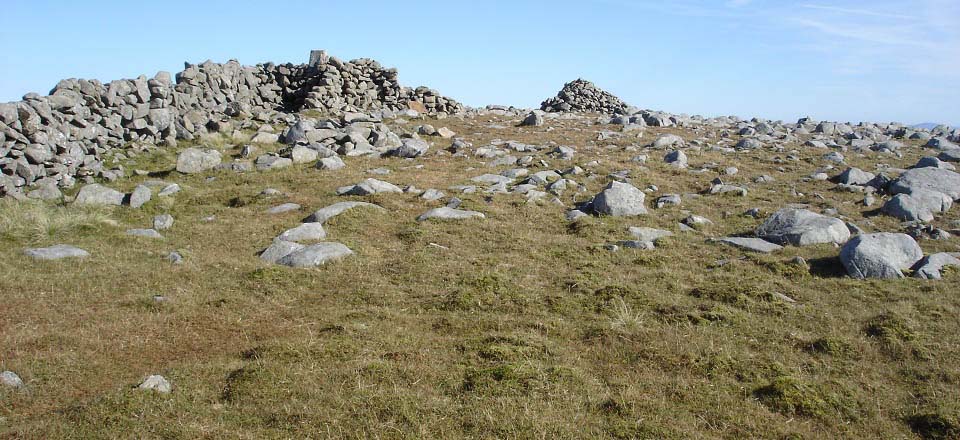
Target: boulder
930 267
56 252
854 176
880 255
315 255
620 199
919 205
96 194
305 232
195 160
800 227
935 179
324 214
367 187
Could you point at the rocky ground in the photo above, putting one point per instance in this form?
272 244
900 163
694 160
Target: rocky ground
500 273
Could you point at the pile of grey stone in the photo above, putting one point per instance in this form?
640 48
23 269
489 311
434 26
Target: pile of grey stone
51 141
583 96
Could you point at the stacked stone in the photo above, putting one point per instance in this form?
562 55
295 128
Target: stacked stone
53 140
583 96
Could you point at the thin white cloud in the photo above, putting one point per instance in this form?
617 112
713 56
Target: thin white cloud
855 11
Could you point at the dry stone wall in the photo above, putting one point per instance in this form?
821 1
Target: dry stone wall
54 140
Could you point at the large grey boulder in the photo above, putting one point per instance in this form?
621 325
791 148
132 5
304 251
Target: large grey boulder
140 195
195 160
676 158
921 204
800 227
56 252
935 179
533 119
854 176
880 255
446 213
326 213
620 199
930 267
96 194
410 147
316 255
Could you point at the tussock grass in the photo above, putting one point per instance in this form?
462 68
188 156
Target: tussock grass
39 222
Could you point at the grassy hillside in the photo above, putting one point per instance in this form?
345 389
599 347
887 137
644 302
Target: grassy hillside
520 325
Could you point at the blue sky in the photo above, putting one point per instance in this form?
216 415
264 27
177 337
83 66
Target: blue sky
833 60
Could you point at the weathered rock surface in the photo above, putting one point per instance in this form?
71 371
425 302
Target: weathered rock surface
751 244
323 214
195 160
800 227
446 213
315 255
880 255
56 252
620 199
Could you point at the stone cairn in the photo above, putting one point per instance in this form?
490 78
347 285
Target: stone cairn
56 139
583 96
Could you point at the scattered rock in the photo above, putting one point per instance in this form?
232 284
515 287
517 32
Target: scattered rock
56 252
800 227
305 232
156 383
930 267
96 194
880 255
10 379
286 207
446 213
751 244
620 199
326 213
162 222
195 160
315 255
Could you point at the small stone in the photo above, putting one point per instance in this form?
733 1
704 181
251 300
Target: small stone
146 233
305 232
10 379
286 207
156 383
140 195
162 222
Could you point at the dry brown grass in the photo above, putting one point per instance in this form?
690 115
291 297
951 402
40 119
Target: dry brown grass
519 326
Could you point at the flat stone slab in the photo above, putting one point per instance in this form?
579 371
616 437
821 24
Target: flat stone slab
146 233
56 252
449 214
305 232
645 234
279 249
751 244
329 212
316 255
286 207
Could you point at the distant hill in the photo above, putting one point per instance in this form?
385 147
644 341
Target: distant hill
927 125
